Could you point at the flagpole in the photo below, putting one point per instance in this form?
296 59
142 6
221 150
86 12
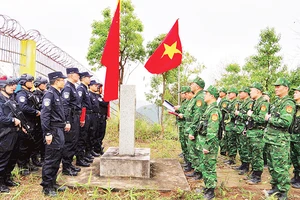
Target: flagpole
178 85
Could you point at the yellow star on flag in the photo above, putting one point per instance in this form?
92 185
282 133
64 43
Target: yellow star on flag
171 50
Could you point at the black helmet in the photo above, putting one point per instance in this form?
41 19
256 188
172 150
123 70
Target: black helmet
40 80
25 78
8 81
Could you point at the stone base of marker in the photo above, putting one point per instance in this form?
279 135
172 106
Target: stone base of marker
114 165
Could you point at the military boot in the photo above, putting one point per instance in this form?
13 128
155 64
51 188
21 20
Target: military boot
49 191
245 169
209 194
35 160
81 162
282 195
273 190
59 188
198 176
10 183
188 168
3 187
95 154
69 172
231 161
256 178
75 169
240 167
296 183
295 178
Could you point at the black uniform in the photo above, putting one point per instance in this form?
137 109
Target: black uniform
28 107
84 144
8 141
53 121
102 123
72 108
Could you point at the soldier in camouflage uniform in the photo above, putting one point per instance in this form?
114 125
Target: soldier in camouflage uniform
240 121
192 115
277 139
229 128
223 105
255 131
180 122
208 132
266 96
295 140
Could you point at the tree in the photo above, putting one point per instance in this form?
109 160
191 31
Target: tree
131 40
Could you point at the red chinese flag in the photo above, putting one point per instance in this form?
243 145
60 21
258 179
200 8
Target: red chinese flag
110 58
168 55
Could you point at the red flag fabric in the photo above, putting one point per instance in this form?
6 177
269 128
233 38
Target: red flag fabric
110 58
168 54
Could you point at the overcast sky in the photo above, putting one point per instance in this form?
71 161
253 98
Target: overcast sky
216 32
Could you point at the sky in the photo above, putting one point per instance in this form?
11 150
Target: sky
216 32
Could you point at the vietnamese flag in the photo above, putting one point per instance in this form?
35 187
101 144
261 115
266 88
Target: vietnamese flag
110 58
168 54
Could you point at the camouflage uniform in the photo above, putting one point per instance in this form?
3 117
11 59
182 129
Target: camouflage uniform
223 105
277 140
295 145
181 124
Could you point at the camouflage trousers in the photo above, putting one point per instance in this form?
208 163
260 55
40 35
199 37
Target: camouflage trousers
295 156
224 143
256 147
183 140
243 148
232 143
278 165
195 151
208 166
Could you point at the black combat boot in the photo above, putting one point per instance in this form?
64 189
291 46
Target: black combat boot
59 188
185 162
89 155
95 154
209 194
188 168
231 161
10 183
75 169
81 162
273 190
223 153
245 169
86 159
3 187
49 191
69 172
256 178
35 160
296 183
198 176
240 167
282 195
295 178
192 174
32 168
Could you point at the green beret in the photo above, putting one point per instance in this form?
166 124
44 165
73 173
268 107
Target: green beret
222 89
233 90
257 85
297 88
213 91
185 89
245 89
199 81
282 81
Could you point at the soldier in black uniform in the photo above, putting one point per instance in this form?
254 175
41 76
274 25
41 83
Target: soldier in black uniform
27 104
54 123
83 154
103 117
72 108
95 116
40 84
9 128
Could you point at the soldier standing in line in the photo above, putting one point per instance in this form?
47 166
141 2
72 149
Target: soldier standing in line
192 115
266 96
295 140
240 123
255 131
26 102
84 144
72 109
53 121
40 85
209 127
229 127
223 105
277 139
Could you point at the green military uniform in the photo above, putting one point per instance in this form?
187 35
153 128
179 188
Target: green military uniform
295 145
277 139
230 128
255 134
181 122
240 121
192 114
210 123
223 105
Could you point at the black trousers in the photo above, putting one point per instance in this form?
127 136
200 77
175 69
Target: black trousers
53 157
39 147
84 137
71 140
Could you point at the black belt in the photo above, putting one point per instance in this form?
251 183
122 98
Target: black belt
279 128
58 124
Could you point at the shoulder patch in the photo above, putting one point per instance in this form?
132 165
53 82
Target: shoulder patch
99 99
80 93
214 117
289 109
263 108
298 113
66 95
224 105
22 99
46 102
236 106
199 103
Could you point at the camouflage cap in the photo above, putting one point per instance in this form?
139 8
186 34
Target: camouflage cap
233 90
266 93
257 85
185 89
222 89
282 81
213 91
297 88
199 81
245 89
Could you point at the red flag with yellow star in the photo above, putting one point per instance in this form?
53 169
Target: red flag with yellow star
168 54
